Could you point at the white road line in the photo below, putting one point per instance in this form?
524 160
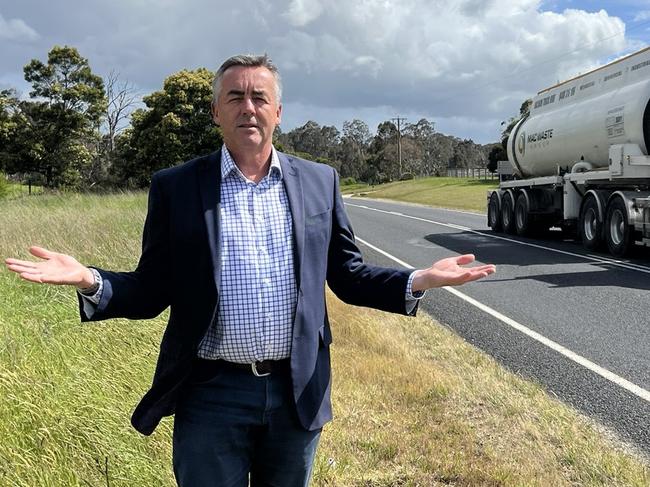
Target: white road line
408 203
579 359
595 259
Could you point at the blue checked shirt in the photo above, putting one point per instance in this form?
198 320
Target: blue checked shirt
258 290
258 286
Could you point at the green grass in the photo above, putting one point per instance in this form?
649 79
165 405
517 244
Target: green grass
18 190
460 193
414 404
67 390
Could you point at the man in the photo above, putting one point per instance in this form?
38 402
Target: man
239 244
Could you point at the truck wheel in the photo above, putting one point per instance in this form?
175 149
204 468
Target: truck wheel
508 212
522 215
494 212
617 228
590 225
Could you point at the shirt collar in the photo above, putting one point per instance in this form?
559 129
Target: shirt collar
229 167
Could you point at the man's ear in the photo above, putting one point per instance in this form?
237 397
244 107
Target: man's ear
279 115
215 114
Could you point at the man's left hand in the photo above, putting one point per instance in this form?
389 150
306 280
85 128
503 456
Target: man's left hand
450 272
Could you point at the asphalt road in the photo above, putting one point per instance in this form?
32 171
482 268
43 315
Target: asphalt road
574 321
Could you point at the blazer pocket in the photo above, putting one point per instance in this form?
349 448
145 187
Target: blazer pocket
318 218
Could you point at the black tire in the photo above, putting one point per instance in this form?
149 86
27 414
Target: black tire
618 233
591 226
494 212
508 213
522 217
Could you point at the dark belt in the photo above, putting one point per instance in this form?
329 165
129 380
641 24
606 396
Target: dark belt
205 367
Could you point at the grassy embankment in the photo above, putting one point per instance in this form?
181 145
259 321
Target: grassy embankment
460 193
414 404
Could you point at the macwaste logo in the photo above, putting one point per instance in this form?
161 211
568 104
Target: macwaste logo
521 144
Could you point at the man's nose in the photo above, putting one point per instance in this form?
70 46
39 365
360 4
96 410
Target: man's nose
247 105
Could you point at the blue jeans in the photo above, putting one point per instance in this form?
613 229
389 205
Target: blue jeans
233 425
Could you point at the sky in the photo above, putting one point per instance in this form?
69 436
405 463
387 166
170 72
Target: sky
466 65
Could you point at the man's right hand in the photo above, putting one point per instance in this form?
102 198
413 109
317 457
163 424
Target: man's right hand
55 268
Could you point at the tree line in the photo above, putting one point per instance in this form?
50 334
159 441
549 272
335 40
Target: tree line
79 130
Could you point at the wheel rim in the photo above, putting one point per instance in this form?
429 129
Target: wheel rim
590 224
617 227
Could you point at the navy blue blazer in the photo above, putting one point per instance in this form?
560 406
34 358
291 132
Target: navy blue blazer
180 268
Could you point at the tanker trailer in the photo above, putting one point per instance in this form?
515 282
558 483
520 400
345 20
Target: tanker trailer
580 159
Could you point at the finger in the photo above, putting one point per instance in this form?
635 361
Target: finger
32 277
474 274
21 268
41 252
465 259
489 268
12 261
469 277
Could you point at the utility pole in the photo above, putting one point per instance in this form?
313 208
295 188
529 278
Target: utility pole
399 141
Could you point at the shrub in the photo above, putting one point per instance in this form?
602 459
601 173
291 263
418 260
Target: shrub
348 181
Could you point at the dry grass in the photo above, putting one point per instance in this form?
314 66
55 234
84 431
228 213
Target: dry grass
416 405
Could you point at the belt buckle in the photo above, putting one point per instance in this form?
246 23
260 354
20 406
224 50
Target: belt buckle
255 372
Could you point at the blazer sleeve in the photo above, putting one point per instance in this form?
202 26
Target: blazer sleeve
354 281
144 292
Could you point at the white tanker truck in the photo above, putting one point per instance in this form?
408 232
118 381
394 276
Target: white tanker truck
581 160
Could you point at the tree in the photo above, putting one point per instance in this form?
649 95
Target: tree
60 127
311 138
495 155
66 81
353 148
443 152
422 134
175 126
524 110
121 98
383 165
8 126
467 154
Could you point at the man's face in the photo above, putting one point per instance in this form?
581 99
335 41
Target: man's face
247 109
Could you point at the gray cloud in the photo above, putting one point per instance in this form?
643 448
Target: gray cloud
16 30
466 64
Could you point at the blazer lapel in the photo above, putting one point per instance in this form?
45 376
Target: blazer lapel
210 187
291 177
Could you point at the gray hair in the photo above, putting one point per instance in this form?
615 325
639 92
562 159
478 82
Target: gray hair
250 60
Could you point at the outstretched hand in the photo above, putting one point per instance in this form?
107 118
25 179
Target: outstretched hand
449 272
55 268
